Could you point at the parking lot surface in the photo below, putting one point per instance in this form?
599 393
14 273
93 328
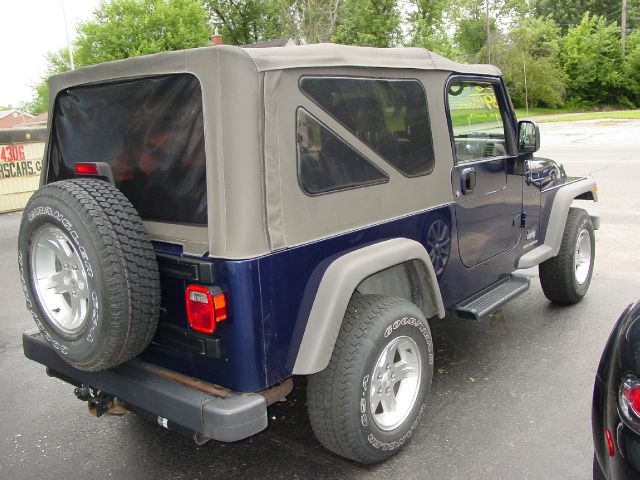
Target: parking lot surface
510 399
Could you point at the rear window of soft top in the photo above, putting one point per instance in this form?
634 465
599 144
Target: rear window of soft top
149 130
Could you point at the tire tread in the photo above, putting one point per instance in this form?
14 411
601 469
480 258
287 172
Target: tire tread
127 259
332 385
557 273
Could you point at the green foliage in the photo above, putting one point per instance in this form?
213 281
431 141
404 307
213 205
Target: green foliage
128 28
249 21
533 47
374 23
471 35
631 68
592 59
582 69
58 62
470 21
569 13
310 21
428 28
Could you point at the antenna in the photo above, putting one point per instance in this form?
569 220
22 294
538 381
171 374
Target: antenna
66 30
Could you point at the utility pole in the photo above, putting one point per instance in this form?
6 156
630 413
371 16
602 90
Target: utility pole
623 33
526 91
489 33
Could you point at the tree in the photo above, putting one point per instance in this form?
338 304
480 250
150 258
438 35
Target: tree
310 21
533 47
128 28
428 27
57 62
374 23
631 68
592 58
243 22
570 12
470 19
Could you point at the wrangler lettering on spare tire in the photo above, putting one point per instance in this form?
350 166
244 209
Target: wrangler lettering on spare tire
74 235
88 273
31 215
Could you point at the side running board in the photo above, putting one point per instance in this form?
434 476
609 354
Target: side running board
491 298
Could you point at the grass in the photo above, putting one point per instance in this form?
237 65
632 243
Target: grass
568 115
537 111
462 117
624 114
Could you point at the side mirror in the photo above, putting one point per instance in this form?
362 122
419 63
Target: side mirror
528 137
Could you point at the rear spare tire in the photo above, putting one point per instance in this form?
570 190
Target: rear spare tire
88 273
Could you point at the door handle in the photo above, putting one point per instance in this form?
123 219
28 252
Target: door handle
468 180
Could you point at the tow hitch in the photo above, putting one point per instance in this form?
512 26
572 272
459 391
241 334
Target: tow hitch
99 402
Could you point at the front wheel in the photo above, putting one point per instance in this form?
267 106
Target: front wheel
367 403
565 278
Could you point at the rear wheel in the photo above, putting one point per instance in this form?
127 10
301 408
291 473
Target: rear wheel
88 273
566 277
367 403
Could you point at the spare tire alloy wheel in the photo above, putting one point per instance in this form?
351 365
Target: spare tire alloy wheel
59 280
88 273
369 400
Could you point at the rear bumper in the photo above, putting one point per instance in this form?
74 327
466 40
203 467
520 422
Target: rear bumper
138 385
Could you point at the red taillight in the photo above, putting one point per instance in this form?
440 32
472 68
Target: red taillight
609 438
204 309
630 396
86 169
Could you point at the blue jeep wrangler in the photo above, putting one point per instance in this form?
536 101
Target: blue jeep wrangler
212 223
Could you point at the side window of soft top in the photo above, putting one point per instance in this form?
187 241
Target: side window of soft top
326 163
388 115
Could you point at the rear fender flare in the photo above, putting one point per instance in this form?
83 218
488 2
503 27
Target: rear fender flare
340 280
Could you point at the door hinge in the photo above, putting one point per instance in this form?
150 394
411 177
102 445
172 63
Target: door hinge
523 219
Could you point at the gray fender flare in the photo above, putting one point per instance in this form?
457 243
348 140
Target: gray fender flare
336 288
557 219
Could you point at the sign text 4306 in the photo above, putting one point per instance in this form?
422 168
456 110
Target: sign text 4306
12 153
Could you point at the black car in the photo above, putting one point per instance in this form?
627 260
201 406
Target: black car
616 402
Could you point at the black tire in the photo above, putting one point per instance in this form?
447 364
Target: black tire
339 397
120 286
558 274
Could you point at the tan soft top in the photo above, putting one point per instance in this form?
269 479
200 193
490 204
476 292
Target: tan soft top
268 59
333 55
249 98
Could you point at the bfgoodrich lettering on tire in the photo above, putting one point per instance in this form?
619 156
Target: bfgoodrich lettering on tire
566 277
368 402
88 273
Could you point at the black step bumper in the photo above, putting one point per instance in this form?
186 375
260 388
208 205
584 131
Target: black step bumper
225 419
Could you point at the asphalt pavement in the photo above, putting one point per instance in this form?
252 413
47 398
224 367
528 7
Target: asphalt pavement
510 399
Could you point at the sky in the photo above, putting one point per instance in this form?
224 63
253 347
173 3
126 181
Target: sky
30 29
